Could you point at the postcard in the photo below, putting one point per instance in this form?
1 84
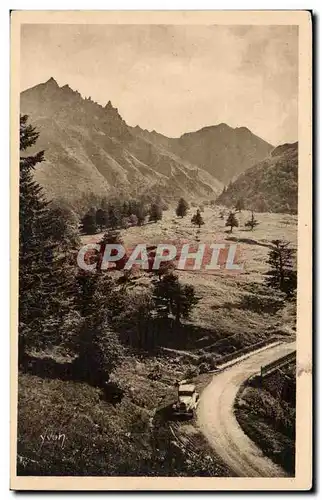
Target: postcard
161 268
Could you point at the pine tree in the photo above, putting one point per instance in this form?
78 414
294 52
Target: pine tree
125 209
232 221
111 237
182 208
113 217
101 218
85 287
155 213
165 268
64 227
88 223
282 275
252 222
96 345
45 269
197 219
174 299
141 213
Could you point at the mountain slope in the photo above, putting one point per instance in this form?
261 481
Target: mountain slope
223 151
269 186
90 148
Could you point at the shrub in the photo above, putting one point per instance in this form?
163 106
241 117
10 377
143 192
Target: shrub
133 220
191 372
207 360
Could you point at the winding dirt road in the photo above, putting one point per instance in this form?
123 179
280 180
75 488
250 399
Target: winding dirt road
219 425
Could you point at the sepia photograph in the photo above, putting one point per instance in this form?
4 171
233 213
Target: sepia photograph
161 248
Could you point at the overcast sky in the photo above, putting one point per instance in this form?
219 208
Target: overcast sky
175 79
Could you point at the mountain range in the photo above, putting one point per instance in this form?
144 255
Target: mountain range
89 148
271 185
221 150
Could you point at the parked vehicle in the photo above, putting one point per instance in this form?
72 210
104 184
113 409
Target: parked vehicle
187 400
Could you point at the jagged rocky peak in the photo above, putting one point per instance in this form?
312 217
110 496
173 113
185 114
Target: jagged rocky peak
109 107
45 90
51 83
113 112
66 92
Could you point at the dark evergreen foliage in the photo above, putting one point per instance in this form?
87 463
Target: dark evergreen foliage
252 222
155 213
182 208
197 219
232 221
282 274
101 219
88 223
113 216
116 214
173 298
45 256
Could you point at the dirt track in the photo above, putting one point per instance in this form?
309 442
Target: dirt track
219 425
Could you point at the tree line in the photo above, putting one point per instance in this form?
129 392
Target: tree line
115 214
118 214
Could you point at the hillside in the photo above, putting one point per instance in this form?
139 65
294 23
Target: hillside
269 186
90 148
223 151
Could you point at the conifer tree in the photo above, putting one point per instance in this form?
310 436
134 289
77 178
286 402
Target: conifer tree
45 269
126 208
101 218
182 208
232 221
111 237
96 345
141 213
174 299
197 219
88 223
155 212
113 217
252 222
64 227
282 274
